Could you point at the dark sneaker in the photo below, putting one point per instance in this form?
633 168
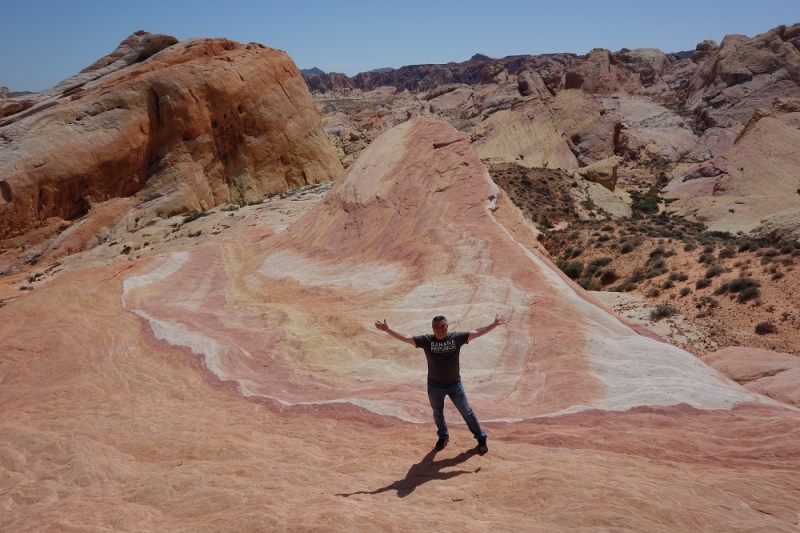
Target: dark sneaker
482 447
442 442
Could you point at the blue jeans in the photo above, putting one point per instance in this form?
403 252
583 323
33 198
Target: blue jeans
455 391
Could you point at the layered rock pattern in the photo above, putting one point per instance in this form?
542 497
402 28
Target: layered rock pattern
240 384
194 125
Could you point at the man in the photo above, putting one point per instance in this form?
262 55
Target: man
442 351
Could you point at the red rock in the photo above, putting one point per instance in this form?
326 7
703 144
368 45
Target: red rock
601 73
773 374
239 384
199 124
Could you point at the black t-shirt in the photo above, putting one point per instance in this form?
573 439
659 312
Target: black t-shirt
442 355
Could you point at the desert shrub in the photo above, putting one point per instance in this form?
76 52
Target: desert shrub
796 252
750 293
678 276
600 261
765 260
667 284
229 207
576 252
662 311
607 228
708 249
685 291
603 238
714 271
787 249
669 253
706 258
654 273
786 261
745 246
637 275
652 293
727 253
772 252
573 269
626 248
776 276
702 283
607 276
689 246
657 251
740 284
194 215
709 301
590 284
763 328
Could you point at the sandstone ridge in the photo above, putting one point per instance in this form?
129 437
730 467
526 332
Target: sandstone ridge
163 128
237 381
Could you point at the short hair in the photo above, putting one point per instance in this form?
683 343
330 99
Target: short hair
440 318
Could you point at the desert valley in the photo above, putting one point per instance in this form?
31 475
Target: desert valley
196 239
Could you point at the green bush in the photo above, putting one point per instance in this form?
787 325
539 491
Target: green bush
590 284
573 269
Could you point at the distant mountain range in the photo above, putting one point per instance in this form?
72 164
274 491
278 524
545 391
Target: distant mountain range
320 72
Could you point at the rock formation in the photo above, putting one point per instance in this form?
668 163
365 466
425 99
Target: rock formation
755 179
744 74
239 384
178 127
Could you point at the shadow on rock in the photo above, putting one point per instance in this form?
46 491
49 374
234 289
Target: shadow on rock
426 470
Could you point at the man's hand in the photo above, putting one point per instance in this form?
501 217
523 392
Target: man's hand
498 321
383 326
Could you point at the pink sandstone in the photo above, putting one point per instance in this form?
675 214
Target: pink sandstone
239 385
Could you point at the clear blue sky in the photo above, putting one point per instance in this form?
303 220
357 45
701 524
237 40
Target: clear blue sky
43 42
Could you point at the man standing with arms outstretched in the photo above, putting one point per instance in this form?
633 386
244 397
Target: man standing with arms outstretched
442 349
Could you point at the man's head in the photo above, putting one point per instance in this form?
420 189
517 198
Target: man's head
439 325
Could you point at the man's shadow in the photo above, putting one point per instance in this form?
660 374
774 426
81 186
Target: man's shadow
426 470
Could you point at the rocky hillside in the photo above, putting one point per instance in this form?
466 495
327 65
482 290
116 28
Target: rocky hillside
584 142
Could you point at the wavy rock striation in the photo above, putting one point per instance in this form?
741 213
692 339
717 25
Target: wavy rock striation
239 384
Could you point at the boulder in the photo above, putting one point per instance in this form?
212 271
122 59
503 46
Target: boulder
766 372
603 172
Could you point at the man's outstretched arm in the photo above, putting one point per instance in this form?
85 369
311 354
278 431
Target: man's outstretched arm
498 321
383 326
